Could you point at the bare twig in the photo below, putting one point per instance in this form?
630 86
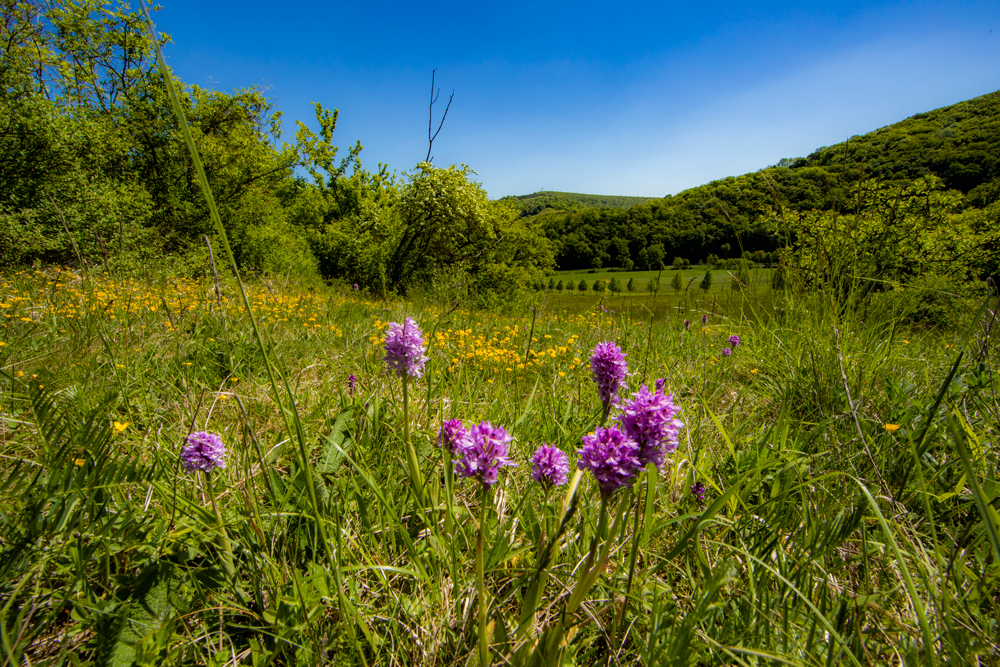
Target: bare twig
430 119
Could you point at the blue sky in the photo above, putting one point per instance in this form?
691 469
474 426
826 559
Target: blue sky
628 98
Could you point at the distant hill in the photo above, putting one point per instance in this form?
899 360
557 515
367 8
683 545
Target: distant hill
538 202
959 144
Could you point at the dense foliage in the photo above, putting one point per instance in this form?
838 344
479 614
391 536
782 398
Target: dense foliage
93 168
549 201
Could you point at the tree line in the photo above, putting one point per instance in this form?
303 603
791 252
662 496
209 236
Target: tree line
94 170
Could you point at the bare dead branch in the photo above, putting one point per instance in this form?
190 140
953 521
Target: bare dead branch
430 119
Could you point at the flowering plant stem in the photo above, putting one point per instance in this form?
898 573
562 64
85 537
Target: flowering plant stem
225 546
552 644
642 522
412 465
484 640
449 516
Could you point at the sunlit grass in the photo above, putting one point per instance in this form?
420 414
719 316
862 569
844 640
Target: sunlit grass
104 378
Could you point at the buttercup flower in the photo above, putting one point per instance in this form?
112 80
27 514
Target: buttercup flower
203 451
611 457
609 367
404 349
734 341
549 466
486 454
650 420
454 437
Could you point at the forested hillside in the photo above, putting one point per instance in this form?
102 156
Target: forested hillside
951 151
548 201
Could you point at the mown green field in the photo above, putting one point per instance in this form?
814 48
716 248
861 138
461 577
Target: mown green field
667 303
849 467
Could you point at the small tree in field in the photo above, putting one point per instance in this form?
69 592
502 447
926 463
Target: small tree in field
631 285
706 282
552 283
676 281
615 286
653 285
598 286
582 287
560 286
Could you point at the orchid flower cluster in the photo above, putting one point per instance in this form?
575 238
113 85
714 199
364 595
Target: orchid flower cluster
482 450
734 342
647 429
404 349
203 451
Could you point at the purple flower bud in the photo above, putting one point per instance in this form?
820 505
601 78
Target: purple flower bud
650 420
454 437
356 288
549 466
704 319
659 384
611 457
698 491
203 451
351 386
687 324
726 352
609 367
404 349
734 341
486 454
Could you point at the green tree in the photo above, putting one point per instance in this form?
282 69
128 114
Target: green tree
450 230
631 285
559 286
91 138
615 286
706 282
582 286
655 255
676 281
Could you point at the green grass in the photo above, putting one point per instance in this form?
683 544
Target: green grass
682 304
824 537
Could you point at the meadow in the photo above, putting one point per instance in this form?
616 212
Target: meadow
199 469
668 302
832 499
